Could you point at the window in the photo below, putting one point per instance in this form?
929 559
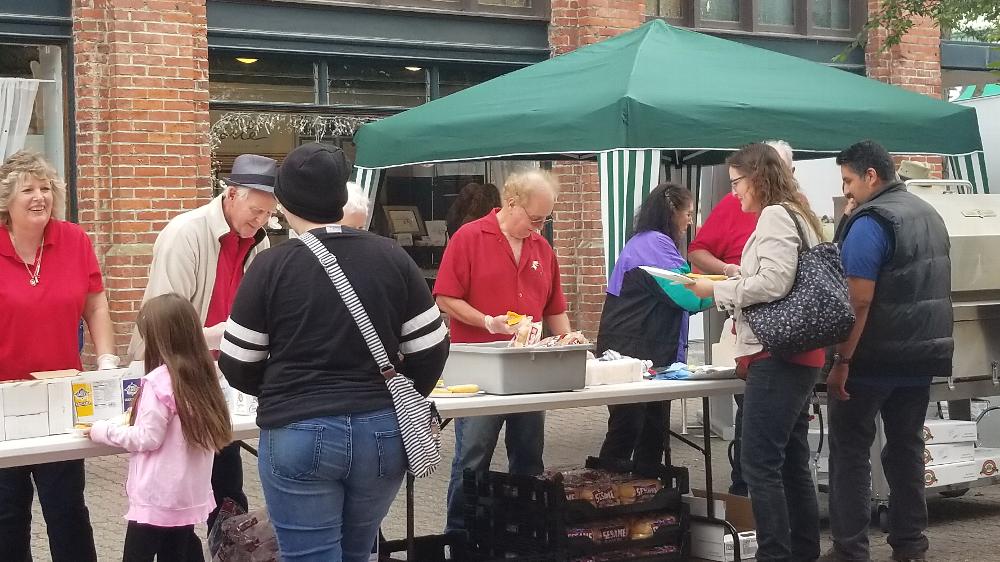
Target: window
832 14
720 10
370 83
776 12
812 18
248 77
46 126
452 79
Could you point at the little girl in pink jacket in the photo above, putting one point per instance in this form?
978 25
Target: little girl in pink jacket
178 422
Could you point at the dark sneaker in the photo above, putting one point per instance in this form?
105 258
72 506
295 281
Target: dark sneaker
909 557
833 556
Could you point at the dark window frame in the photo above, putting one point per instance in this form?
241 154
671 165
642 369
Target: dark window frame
539 9
750 10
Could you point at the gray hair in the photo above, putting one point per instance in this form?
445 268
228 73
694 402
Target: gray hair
784 150
357 201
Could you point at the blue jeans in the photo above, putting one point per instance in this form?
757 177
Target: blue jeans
329 482
775 459
475 440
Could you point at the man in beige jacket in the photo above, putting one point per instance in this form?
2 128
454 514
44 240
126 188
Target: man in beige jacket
201 255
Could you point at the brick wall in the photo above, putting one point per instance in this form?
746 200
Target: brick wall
914 64
577 228
141 72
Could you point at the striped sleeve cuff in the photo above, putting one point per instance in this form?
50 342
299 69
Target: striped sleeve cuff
422 332
243 344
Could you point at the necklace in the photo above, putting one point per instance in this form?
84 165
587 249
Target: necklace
33 275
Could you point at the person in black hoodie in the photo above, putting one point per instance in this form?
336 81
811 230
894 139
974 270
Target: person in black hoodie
641 319
331 452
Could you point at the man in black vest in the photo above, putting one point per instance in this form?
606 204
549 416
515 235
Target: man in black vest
895 253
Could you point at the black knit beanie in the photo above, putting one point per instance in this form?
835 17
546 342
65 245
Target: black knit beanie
312 183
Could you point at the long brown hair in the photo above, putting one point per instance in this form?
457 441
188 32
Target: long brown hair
772 181
474 201
170 328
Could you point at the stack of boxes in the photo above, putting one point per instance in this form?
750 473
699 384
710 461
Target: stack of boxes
56 400
949 452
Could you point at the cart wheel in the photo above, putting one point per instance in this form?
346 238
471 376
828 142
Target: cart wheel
954 493
883 518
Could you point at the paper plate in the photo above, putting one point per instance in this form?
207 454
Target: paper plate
668 275
455 394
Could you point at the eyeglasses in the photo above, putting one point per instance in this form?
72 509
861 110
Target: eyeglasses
735 181
536 221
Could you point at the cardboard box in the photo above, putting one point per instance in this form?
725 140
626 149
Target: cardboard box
711 541
26 427
24 398
97 395
988 462
949 431
948 453
947 474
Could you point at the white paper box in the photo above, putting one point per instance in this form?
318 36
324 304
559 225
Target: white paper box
949 431
23 398
60 393
946 474
613 372
26 427
988 462
97 395
948 453
713 542
242 404
712 550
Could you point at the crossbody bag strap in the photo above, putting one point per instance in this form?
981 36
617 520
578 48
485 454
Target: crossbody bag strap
803 244
351 300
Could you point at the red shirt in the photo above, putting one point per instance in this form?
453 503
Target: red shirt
39 325
478 267
726 231
228 274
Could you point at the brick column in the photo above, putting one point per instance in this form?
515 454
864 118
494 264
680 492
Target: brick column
577 229
142 122
914 64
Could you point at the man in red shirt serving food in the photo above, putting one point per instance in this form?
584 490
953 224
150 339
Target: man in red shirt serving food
492 265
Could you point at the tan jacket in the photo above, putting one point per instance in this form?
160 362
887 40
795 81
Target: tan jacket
185 258
767 271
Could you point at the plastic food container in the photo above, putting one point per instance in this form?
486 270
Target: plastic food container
499 369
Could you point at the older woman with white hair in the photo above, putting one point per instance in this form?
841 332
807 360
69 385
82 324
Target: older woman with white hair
49 280
356 208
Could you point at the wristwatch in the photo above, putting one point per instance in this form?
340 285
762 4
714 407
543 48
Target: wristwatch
839 359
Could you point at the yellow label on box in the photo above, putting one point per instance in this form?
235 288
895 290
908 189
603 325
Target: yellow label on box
83 399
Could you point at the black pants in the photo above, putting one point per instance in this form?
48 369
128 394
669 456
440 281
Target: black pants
60 492
852 431
167 544
227 480
638 433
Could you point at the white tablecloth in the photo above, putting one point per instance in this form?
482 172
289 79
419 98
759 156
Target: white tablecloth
53 448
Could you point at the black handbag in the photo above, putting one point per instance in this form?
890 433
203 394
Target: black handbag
815 313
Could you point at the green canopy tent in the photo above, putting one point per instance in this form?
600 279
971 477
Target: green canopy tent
661 94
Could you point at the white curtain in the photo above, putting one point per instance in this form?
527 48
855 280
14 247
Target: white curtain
17 101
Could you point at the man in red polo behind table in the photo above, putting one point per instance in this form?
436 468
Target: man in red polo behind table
201 255
492 265
717 250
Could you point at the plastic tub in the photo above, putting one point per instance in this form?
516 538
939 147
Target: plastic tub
499 369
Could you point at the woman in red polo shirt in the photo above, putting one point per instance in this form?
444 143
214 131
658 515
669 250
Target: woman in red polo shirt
49 280
775 455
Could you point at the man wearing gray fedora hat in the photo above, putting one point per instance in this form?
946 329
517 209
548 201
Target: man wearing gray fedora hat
202 255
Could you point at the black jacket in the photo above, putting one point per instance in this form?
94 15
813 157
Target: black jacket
291 340
909 327
641 322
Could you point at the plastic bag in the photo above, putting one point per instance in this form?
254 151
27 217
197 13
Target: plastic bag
238 536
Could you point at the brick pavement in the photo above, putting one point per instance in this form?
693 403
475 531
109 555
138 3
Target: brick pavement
962 529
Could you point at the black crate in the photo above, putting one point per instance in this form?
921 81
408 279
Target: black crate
529 516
